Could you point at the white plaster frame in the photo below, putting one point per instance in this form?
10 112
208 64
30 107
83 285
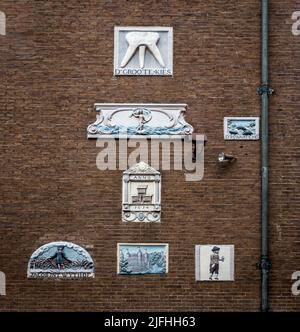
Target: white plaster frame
169 117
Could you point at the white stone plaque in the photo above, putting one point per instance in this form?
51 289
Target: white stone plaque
143 51
141 194
139 120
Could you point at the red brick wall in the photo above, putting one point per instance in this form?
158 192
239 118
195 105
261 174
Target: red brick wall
284 155
56 62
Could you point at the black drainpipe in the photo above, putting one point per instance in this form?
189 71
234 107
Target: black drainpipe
264 91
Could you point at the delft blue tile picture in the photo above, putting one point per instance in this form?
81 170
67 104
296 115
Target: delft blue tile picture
60 260
241 128
142 258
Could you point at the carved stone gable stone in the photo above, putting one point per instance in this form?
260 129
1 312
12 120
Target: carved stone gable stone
141 194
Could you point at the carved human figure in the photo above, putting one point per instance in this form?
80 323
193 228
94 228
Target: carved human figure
143 116
60 257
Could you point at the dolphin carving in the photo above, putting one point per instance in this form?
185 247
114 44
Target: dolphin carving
141 40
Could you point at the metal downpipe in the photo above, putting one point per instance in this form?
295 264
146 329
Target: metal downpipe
265 91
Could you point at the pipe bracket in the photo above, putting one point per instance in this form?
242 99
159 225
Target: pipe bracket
265 89
264 264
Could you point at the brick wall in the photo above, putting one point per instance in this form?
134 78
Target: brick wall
56 62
